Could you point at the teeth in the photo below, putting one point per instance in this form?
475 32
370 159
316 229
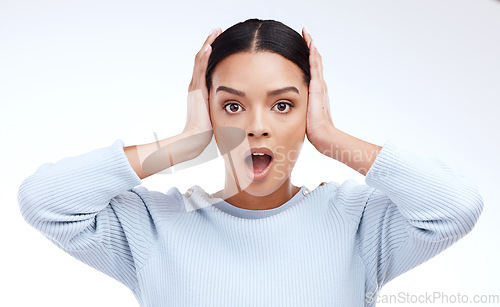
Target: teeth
258 154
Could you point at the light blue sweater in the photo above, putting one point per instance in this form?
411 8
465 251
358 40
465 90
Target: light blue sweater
336 245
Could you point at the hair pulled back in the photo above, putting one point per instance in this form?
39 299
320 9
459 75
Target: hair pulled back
257 35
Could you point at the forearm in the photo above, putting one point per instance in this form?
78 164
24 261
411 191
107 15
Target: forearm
151 158
64 198
355 153
437 200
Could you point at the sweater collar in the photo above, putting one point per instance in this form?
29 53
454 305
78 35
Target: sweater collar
203 199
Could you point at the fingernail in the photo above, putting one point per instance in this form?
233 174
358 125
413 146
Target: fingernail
211 32
306 29
312 44
206 48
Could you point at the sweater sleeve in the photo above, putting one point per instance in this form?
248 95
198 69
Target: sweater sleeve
74 203
414 208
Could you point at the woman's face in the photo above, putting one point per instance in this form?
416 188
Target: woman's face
258 100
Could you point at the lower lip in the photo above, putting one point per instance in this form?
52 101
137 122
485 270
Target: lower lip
258 176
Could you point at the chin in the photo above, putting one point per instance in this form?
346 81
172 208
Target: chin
248 184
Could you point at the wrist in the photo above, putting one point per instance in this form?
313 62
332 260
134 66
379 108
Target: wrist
197 141
326 142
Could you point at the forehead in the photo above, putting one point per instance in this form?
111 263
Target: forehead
260 68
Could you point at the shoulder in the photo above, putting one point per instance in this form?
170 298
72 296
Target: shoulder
351 192
350 197
140 203
150 198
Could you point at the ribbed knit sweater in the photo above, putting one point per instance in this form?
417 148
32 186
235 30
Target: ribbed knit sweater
335 245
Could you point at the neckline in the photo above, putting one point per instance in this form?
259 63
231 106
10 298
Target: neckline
226 207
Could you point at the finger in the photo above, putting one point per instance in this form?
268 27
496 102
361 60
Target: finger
201 52
202 68
307 36
314 54
201 59
211 37
315 63
317 55
199 69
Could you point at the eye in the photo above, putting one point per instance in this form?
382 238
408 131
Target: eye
282 107
233 107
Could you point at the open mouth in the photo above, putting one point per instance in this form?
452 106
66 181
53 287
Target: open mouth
258 163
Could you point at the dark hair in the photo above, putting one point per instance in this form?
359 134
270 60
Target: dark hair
253 35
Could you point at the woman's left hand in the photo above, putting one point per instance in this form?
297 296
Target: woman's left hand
319 120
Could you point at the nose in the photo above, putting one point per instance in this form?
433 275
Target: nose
259 126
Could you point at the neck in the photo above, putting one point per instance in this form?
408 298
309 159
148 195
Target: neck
247 201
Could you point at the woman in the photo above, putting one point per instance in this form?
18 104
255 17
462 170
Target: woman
260 241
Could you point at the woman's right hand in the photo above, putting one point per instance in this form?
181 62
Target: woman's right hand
198 123
148 159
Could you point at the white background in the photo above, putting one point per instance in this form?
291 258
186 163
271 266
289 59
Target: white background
76 75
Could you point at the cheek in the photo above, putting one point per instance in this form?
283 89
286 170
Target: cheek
291 142
215 115
294 148
296 125
293 139
218 116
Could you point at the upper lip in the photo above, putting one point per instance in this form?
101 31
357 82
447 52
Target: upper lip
263 150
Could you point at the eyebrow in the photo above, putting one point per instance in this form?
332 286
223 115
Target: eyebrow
269 94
